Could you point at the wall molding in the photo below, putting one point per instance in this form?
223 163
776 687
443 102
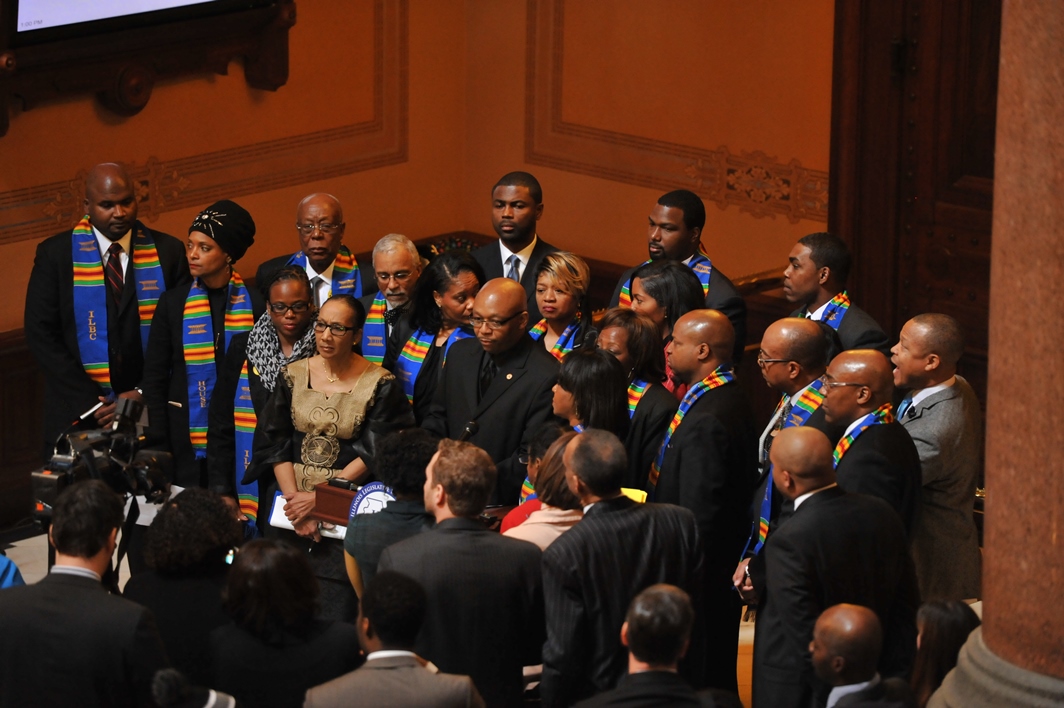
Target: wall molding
164 185
756 183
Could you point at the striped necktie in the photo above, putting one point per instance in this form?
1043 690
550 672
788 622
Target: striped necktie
114 271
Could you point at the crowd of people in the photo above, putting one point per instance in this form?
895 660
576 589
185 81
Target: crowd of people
647 507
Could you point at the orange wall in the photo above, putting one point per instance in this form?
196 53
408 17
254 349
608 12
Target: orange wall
753 76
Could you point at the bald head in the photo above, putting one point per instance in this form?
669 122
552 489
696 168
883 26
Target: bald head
847 640
109 200
321 200
801 461
869 367
500 308
702 340
797 339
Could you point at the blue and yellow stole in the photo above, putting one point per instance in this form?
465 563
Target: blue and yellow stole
719 377
198 344
566 342
347 278
90 296
408 366
375 331
699 264
244 422
836 310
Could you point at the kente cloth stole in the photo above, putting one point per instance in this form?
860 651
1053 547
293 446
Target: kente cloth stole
346 280
699 263
375 332
244 422
90 296
836 310
636 389
198 344
408 366
565 342
879 416
804 407
528 491
719 377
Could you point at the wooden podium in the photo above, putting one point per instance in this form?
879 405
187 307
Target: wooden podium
333 505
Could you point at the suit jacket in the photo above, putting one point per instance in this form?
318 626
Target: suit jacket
836 547
721 296
650 689
891 693
51 332
651 420
518 401
279 674
268 268
947 431
395 682
166 382
588 584
490 259
858 330
486 615
66 641
883 462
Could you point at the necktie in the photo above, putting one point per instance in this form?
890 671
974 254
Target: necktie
905 405
487 375
392 316
114 270
784 415
316 281
511 269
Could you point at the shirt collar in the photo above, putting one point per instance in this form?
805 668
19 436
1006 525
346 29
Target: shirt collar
923 393
839 691
798 500
388 654
326 274
75 570
524 254
105 242
818 313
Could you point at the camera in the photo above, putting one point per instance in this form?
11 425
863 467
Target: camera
111 454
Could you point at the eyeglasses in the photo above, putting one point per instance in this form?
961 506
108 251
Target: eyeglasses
478 322
297 307
337 329
400 277
327 229
761 360
836 384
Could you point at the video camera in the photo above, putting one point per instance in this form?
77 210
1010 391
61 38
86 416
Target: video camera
111 454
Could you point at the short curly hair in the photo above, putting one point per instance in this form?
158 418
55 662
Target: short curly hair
401 460
193 530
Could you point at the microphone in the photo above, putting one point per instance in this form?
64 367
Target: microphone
470 430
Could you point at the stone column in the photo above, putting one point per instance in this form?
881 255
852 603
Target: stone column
1017 659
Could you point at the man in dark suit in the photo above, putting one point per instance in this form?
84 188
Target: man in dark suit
396 268
330 265
64 323
389 618
792 359
485 618
657 632
875 455
941 414
675 233
66 641
501 382
836 547
516 207
709 465
815 279
592 572
845 648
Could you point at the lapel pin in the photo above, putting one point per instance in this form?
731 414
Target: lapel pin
509 376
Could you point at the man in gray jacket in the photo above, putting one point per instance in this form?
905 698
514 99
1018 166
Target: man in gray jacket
941 413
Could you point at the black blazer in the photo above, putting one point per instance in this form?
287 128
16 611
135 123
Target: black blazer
486 615
165 381
836 547
884 463
651 420
51 332
588 585
518 401
66 641
490 259
650 689
858 330
722 296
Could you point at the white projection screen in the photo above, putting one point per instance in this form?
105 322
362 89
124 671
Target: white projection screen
43 14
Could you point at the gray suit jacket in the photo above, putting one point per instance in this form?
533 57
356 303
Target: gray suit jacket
399 681
947 430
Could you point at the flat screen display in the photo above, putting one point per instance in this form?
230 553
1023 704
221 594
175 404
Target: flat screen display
45 14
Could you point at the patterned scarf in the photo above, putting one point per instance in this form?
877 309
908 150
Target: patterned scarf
264 350
346 280
719 377
636 390
408 365
836 310
90 295
699 263
375 332
566 341
879 416
198 344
